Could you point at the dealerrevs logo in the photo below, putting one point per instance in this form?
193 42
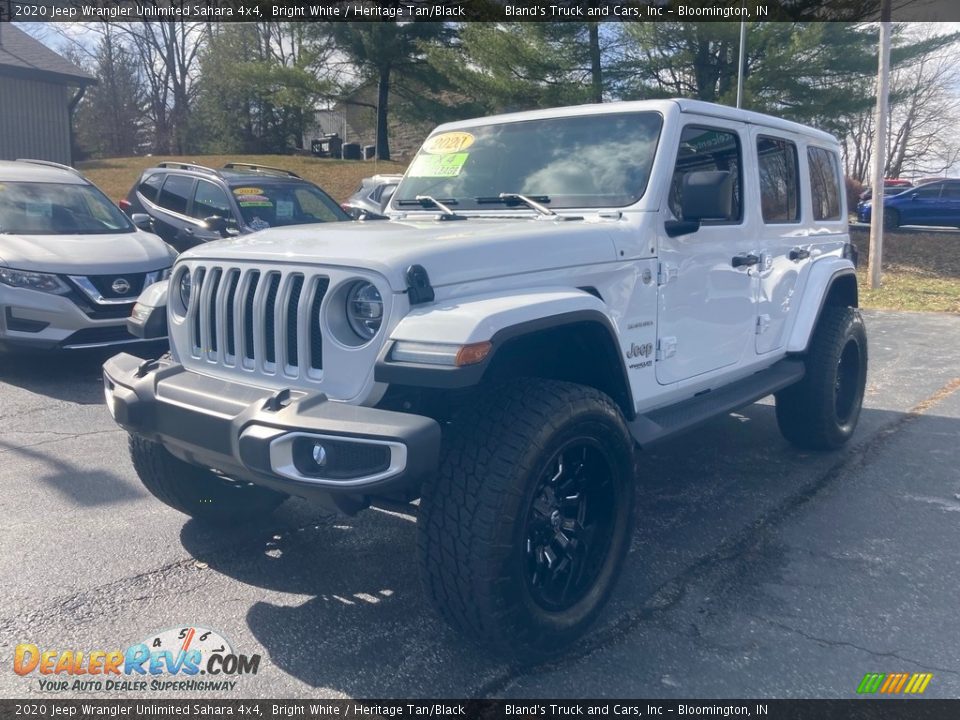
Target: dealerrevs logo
187 658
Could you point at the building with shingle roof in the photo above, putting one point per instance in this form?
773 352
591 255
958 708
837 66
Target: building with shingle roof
39 90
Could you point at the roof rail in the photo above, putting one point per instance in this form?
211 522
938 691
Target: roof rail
50 164
177 165
259 168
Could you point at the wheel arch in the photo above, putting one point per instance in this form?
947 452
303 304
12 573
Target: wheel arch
550 333
830 284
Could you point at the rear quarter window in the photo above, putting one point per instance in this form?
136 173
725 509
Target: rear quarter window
150 187
824 183
175 193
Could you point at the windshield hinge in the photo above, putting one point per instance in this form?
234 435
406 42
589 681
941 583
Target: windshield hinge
419 290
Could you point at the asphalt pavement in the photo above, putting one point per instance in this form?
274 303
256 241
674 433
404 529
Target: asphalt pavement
756 570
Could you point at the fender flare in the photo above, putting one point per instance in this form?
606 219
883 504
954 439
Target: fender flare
821 282
498 318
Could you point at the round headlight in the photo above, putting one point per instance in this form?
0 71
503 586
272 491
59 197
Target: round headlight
364 310
185 286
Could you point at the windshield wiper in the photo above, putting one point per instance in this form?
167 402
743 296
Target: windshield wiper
533 202
427 200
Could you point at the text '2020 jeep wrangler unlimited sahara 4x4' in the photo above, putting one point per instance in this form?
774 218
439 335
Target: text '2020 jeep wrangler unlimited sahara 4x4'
554 289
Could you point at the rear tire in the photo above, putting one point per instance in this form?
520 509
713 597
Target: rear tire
523 531
196 491
821 411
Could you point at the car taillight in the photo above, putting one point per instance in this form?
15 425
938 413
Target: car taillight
124 204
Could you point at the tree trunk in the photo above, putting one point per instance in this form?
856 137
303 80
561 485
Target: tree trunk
383 95
596 72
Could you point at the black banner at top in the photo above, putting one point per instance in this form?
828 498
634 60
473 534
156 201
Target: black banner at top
477 10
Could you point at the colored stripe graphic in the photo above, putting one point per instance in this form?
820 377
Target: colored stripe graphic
894 683
871 683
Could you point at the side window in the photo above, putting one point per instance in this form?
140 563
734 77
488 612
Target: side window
151 186
209 200
704 148
929 192
779 180
824 183
175 192
951 191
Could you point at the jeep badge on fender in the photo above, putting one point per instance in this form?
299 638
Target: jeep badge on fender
616 275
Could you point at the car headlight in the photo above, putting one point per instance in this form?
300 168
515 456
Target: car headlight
184 287
43 282
364 309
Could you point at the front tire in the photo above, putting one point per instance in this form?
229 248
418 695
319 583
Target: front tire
821 411
196 491
523 531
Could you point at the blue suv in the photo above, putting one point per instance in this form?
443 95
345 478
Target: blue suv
934 203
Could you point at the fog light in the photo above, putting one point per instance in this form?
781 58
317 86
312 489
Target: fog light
319 454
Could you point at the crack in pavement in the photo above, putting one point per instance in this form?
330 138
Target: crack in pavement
62 436
844 643
728 551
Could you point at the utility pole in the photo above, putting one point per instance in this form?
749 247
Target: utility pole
875 258
741 60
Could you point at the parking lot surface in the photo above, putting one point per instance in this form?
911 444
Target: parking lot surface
756 570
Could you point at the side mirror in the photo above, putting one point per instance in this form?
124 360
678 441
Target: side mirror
704 195
914 196
216 224
143 222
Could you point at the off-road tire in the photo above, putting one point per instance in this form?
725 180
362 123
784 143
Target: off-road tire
891 219
196 491
477 515
821 411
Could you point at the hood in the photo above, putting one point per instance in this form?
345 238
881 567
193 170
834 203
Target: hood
86 254
451 251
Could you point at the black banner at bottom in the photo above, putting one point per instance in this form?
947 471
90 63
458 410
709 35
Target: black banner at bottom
485 709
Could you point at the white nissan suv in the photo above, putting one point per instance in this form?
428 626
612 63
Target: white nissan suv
554 290
71 263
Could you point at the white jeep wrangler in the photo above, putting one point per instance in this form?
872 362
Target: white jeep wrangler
553 290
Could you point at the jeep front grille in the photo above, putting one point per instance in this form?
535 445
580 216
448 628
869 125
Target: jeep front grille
258 320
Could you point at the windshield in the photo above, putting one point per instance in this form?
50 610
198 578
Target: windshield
570 162
32 208
272 204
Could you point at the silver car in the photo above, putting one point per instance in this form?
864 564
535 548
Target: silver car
372 196
71 263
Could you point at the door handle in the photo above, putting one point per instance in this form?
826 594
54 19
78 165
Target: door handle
798 254
745 260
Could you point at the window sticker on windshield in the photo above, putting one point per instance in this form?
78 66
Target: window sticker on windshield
38 209
438 165
248 191
284 208
448 142
256 203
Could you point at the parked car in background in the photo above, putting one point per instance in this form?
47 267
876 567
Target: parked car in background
372 196
71 264
188 204
890 187
936 203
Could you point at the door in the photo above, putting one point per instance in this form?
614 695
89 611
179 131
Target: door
706 310
785 250
921 207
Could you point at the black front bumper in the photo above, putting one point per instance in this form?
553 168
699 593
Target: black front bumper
257 434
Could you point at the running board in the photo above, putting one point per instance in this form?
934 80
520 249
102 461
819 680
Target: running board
660 424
